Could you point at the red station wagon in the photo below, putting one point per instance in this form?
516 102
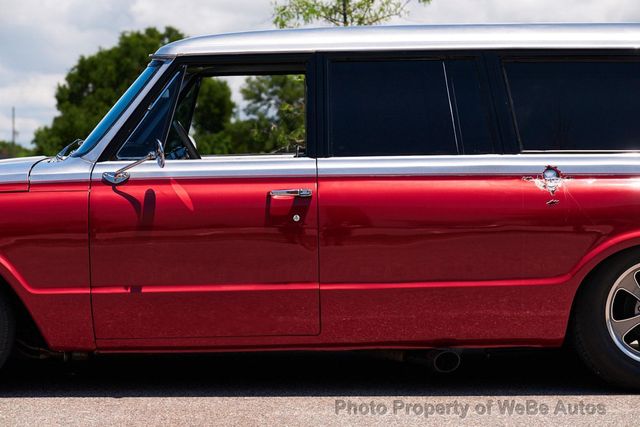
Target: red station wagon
441 187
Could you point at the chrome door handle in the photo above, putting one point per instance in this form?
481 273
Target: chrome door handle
296 192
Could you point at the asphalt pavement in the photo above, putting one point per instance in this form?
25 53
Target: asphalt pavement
530 387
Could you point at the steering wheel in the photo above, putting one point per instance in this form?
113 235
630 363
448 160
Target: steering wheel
184 137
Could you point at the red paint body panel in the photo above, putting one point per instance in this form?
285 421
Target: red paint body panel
44 257
204 258
405 262
447 261
467 261
12 187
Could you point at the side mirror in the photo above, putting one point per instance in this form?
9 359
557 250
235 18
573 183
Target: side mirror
121 175
159 153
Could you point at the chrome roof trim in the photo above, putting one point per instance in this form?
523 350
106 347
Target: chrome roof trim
414 37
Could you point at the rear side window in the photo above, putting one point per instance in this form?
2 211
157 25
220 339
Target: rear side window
575 105
470 101
406 107
389 108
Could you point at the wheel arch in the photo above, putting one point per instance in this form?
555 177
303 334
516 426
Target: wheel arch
27 329
57 318
626 251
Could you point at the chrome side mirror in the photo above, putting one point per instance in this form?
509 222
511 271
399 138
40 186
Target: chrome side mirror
159 153
121 175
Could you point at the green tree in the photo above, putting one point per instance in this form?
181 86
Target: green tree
95 83
275 107
212 117
9 149
292 13
272 119
276 102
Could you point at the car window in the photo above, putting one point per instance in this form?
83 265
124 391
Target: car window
154 124
575 104
119 107
389 108
471 104
240 114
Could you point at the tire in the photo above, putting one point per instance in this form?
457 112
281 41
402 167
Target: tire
7 329
600 309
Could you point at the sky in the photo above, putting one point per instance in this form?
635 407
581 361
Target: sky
40 40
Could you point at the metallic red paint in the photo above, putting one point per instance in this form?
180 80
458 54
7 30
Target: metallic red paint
204 258
217 265
467 261
44 257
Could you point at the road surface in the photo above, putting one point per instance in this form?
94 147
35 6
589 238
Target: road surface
355 388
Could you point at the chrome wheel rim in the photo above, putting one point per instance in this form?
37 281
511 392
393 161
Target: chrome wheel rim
623 312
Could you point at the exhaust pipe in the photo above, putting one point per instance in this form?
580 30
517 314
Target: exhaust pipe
441 361
32 352
444 361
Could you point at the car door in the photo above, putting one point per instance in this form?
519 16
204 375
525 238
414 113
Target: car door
427 234
213 247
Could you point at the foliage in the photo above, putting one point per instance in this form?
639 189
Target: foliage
215 107
9 149
95 83
273 118
293 13
276 108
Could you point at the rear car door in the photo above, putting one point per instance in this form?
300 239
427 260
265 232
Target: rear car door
427 232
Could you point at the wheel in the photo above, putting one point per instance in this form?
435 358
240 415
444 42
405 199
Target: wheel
7 328
606 321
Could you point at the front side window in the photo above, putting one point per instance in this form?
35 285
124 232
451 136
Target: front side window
243 114
575 105
220 111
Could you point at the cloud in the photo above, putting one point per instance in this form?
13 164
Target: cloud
33 92
523 11
195 17
24 124
40 40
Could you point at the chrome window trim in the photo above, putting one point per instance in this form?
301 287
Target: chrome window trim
480 165
94 154
265 166
287 166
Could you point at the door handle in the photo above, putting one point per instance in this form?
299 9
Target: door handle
296 192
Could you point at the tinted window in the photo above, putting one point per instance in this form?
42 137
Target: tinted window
470 100
576 105
389 108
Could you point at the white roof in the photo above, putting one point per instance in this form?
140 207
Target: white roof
423 37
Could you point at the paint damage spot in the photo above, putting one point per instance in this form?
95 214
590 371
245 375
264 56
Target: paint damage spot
550 180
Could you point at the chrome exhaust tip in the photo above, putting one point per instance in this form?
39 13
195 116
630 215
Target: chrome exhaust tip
444 361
